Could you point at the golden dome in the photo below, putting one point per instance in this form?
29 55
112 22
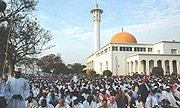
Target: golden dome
123 37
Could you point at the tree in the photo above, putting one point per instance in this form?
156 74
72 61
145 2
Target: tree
27 37
3 40
60 68
174 74
91 73
21 10
157 71
77 67
49 63
29 64
107 73
135 75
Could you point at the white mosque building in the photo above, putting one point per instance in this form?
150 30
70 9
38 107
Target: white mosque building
124 56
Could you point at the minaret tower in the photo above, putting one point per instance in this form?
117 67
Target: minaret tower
96 19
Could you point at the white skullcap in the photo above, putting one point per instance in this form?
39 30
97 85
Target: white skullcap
155 86
74 98
17 69
167 87
101 90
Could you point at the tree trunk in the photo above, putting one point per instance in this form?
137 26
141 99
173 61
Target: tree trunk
11 69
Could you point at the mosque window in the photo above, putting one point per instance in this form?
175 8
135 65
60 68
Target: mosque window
173 51
149 49
130 48
114 48
125 48
106 63
141 49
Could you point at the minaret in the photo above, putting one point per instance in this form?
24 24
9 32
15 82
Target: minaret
96 19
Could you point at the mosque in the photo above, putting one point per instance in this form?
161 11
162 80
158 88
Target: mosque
125 56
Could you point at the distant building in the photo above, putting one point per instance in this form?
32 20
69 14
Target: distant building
124 56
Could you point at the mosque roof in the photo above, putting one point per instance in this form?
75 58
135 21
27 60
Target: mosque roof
123 37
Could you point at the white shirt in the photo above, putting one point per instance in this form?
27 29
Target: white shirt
79 105
87 105
139 104
65 106
177 94
33 104
112 105
2 92
170 98
48 106
148 102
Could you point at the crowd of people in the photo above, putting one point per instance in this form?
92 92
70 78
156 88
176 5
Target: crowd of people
71 91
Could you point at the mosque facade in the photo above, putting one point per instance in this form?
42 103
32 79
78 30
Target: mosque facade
124 56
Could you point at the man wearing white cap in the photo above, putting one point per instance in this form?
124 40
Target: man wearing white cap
30 102
16 90
169 95
76 103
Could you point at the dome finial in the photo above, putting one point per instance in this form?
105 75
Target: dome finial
122 29
96 5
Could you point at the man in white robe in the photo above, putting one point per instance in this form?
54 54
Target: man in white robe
30 102
151 102
76 103
177 94
62 104
89 103
111 103
16 90
2 95
169 95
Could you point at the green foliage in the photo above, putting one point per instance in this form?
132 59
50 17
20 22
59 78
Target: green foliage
91 72
107 73
172 80
50 63
96 75
174 74
83 74
157 71
77 68
135 75
101 76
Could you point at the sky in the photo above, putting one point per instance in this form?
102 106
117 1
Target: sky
71 25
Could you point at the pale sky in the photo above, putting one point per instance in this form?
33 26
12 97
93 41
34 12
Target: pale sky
71 25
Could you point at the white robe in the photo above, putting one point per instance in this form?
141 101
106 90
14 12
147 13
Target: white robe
48 106
2 92
87 105
170 98
65 106
79 105
148 102
15 86
112 105
177 94
33 104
